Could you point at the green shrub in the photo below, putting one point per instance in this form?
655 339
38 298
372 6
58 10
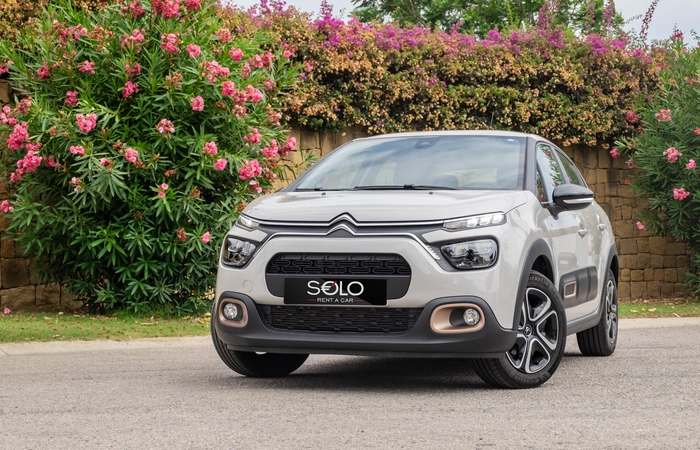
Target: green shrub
141 132
667 151
385 78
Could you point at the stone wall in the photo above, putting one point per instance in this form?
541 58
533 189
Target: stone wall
650 266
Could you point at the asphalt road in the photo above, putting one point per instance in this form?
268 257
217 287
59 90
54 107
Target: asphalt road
177 394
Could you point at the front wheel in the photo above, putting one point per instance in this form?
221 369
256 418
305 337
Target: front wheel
257 365
601 340
540 342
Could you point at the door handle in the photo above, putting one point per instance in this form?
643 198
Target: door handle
582 232
602 226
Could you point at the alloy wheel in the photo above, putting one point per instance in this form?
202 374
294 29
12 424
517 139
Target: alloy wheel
538 333
611 311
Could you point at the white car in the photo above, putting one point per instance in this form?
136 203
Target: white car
450 244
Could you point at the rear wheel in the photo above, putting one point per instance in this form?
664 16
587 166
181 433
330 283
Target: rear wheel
540 342
601 340
257 365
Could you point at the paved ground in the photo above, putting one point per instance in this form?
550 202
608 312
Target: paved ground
177 394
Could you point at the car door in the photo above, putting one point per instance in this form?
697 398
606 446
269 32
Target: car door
594 233
567 233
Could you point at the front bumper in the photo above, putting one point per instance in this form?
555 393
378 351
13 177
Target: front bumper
421 341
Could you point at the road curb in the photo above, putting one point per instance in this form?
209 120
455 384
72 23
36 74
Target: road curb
38 348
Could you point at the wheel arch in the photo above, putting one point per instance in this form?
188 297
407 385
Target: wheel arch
614 263
539 258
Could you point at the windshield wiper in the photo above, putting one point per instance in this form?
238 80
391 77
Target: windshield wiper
417 187
317 189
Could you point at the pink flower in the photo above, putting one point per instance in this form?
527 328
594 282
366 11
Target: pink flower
77 183
632 117
104 162
269 153
228 89
631 164
51 162
134 9
193 5
164 186
33 146
4 69
689 166
672 154
255 186
132 70
220 164
165 126
131 155
77 150
87 66
269 85
6 208
167 8
130 89
236 54
640 226
16 139
287 54
194 50
680 194
250 169
697 131
134 39
254 137
205 237
255 95
615 153
169 42
210 148
245 71
43 72
288 146
86 122
663 116
213 69
197 103
161 194
224 34
6 311
71 98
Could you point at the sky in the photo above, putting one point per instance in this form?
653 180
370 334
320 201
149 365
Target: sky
683 13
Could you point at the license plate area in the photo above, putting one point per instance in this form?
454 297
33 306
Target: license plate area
331 291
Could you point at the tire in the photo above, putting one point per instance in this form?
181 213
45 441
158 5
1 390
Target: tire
601 340
540 344
251 364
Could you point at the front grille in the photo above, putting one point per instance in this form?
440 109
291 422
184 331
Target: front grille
338 264
340 319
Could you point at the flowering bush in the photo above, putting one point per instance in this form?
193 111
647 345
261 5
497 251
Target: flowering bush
666 152
136 140
543 80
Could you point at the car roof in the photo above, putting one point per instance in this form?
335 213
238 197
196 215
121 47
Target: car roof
411 134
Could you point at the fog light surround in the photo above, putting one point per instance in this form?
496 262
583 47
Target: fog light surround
233 313
452 318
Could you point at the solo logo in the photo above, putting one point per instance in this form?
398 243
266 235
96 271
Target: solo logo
353 288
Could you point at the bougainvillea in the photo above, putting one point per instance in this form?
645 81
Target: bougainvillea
125 161
665 153
385 78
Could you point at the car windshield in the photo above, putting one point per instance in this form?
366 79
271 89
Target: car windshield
428 162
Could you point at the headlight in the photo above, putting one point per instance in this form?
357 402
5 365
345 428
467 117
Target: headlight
237 252
247 223
472 254
467 223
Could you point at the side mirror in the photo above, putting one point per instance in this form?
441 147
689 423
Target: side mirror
572 196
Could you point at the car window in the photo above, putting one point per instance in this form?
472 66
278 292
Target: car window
549 170
452 161
572 174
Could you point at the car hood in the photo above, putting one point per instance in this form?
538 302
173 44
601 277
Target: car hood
381 206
